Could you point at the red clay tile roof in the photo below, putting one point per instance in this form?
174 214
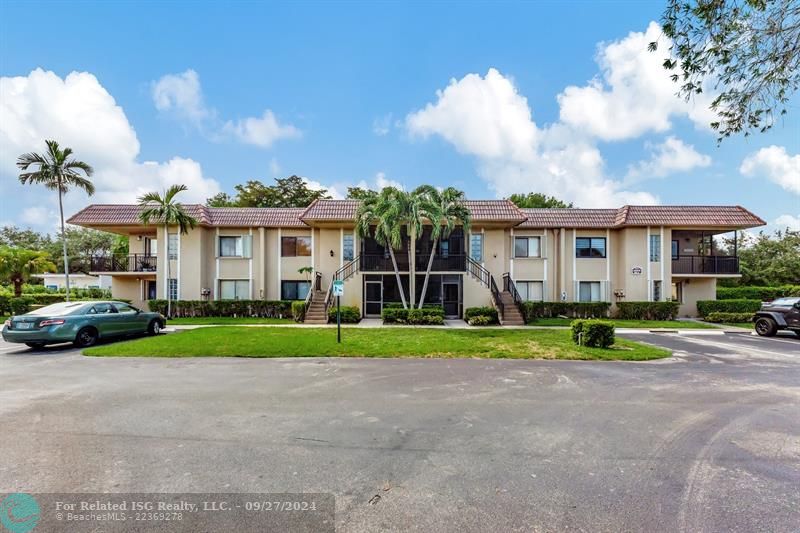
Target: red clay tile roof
330 210
482 211
128 215
641 215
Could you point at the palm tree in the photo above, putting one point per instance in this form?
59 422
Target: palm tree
164 209
17 265
444 210
388 211
57 171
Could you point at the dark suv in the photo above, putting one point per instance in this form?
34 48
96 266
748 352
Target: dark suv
783 313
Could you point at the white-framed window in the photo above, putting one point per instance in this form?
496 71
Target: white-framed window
527 247
234 289
530 291
294 290
476 247
348 247
589 291
655 248
657 290
172 245
677 292
172 287
235 246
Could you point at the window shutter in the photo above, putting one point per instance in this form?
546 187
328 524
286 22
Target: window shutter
247 246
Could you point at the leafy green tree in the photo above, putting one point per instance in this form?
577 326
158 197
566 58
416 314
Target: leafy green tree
287 192
768 260
388 211
56 171
537 199
166 210
358 193
443 210
746 50
17 265
24 238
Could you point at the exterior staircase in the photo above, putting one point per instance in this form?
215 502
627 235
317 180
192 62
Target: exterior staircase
511 313
317 312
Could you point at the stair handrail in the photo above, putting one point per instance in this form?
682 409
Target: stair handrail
477 271
346 272
498 300
508 285
311 289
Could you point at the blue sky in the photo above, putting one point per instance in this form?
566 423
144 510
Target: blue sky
493 98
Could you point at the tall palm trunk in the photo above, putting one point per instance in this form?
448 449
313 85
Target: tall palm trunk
63 239
397 277
428 273
166 260
412 268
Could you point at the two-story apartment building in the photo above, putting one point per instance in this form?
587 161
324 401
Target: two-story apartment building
634 253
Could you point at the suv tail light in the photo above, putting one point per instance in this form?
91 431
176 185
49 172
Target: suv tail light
53 322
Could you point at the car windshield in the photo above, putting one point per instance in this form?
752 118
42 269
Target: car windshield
60 309
785 302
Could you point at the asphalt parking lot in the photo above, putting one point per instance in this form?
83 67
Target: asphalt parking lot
706 440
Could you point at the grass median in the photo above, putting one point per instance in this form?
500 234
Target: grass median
357 342
637 324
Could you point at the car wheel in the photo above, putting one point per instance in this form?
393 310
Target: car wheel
86 337
154 328
35 345
766 327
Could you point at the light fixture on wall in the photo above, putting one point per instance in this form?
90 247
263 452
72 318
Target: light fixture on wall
331 253
138 237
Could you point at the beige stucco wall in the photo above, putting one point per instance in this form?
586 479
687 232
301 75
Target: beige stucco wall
695 289
129 288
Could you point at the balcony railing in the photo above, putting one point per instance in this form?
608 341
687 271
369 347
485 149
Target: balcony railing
123 263
383 262
442 263
705 264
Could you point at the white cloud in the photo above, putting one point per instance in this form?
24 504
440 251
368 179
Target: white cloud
263 131
274 167
776 165
673 155
182 95
382 125
488 118
36 216
316 186
81 114
788 221
633 94
378 182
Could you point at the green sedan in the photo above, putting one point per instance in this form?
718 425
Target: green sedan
81 323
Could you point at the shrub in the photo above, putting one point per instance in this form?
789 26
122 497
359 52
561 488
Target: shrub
719 318
593 333
299 311
21 305
533 310
485 312
706 307
5 304
349 314
481 320
765 294
433 315
647 310
236 308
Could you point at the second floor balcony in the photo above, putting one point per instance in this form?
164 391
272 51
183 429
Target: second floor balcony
123 263
705 264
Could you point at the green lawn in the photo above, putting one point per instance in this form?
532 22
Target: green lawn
651 324
226 321
411 342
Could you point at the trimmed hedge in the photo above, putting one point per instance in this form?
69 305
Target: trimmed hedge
706 307
647 310
490 313
424 316
481 320
299 311
533 310
593 333
236 308
765 294
349 314
718 318
7 302
21 305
